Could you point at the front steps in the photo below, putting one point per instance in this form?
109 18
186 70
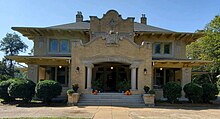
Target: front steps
111 99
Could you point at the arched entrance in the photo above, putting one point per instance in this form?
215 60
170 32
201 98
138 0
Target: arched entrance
111 77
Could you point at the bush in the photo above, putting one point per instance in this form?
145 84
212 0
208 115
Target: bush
209 92
24 89
193 92
4 89
172 91
151 92
146 89
47 90
70 91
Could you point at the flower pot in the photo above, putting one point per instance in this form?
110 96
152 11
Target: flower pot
149 99
73 98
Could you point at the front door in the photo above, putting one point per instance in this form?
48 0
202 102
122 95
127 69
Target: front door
109 77
110 81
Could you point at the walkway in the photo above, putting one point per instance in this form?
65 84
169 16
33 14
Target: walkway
108 112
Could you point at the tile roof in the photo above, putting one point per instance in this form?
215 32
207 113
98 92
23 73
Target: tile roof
86 26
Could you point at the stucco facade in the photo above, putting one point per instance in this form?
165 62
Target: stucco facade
111 49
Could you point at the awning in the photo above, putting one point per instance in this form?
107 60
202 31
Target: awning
179 63
41 60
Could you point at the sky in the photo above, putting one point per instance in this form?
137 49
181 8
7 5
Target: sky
175 15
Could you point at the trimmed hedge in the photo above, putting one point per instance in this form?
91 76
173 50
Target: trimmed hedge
4 91
172 91
193 92
24 89
210 92
48 89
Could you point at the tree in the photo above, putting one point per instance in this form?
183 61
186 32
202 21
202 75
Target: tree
11 44
208 48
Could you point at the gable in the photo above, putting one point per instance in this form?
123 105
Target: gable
111 21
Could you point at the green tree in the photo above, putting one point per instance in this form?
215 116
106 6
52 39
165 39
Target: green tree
11 44
208 48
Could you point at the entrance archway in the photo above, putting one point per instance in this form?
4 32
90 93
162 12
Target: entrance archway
111 77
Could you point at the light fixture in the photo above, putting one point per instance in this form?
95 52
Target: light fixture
145 71
161 68
60 66
112 67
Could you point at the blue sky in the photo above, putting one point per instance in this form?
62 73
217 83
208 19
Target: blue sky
176 15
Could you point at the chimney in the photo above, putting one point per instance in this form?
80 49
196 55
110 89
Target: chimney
79 17
143 19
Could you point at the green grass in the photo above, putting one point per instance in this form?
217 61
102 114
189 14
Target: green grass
1 99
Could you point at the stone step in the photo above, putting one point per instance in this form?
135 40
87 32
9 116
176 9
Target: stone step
118 101
111 99
112 104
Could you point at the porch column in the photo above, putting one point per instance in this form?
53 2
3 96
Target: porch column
133 77
89 75
186 78
33 72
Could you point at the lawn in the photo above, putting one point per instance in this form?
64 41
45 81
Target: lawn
1 100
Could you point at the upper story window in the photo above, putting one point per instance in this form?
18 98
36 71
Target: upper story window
53 45
64 46
59 45
162 48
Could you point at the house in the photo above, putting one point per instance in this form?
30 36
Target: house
109 52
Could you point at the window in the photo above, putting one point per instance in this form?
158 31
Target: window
53 45
162 48
164 75
59 46
40 44
60 74
64 47
157 48
167 48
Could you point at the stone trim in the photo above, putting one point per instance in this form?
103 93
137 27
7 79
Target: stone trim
111 58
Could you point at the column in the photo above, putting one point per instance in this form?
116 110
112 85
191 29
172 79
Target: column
33 72
89 75
186 78
133 78
133 68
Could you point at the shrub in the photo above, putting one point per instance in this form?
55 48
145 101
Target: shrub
193 92
24 89
4 89
70 91
75 87
146 89
47 90
209 92
151 92
172 91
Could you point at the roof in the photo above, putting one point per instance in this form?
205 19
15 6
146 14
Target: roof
144 27
41 60
86 25
174 62
72 26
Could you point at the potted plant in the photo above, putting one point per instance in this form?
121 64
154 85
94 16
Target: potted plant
73 96
75 87
149 98
146 89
